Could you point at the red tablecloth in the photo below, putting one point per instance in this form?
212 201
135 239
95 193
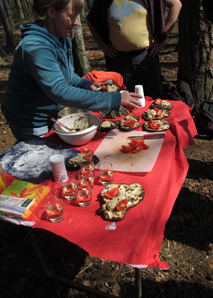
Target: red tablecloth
137 239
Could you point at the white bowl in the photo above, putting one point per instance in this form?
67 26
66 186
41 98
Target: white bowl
77 138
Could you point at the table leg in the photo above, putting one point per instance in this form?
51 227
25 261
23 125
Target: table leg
61 279
138 279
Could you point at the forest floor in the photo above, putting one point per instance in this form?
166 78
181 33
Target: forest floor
187 245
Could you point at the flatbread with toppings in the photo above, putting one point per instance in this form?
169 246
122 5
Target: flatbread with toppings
155 114
109 88
119 198
156 125
161 104
108 125
129 123
75 162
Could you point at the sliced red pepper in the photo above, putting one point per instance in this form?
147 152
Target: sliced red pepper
121 205
129 122
112 193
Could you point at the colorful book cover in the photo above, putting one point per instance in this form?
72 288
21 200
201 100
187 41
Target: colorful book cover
21 198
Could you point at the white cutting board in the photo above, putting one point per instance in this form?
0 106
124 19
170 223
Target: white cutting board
109 150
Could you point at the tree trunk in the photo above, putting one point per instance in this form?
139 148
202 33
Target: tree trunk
7 28
20 10
81 63
9 14
195 49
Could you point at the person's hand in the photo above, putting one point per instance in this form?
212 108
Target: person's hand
155 48
109 50
95 85
129 99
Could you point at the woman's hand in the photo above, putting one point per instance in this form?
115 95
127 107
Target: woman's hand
95 85
155 48
109 50
129 99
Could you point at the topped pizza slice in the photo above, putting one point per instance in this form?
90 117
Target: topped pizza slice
119 198
161 104
156 125
156 114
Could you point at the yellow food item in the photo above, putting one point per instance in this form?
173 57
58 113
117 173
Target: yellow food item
2 183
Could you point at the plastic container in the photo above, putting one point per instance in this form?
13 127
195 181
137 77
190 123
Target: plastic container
2 179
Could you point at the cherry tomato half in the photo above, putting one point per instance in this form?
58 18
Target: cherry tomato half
121 205
112 193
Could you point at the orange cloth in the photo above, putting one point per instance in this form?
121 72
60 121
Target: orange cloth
101 76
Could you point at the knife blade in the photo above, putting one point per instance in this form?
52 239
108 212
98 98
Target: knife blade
149 136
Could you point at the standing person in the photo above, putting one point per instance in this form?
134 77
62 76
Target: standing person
42 77
131 33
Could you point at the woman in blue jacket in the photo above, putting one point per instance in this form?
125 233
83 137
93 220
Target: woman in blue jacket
42 77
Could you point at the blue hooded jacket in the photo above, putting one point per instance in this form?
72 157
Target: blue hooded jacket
42 80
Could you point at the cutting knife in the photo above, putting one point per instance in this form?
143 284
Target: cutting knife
149 136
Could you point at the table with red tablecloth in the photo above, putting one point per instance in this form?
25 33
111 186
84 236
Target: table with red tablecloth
136 239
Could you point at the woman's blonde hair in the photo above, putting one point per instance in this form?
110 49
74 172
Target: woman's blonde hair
41 6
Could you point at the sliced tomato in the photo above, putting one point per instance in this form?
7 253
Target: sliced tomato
88 156
121 205
153 124
137 149
127 149
104 88
129 122
85 150
112 193
144 146
158 101
88 153
136 142
139 142
151 121
159 113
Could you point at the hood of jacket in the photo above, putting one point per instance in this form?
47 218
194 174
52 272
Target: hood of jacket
37 28
63 47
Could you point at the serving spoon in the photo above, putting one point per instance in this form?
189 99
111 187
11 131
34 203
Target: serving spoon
61 124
